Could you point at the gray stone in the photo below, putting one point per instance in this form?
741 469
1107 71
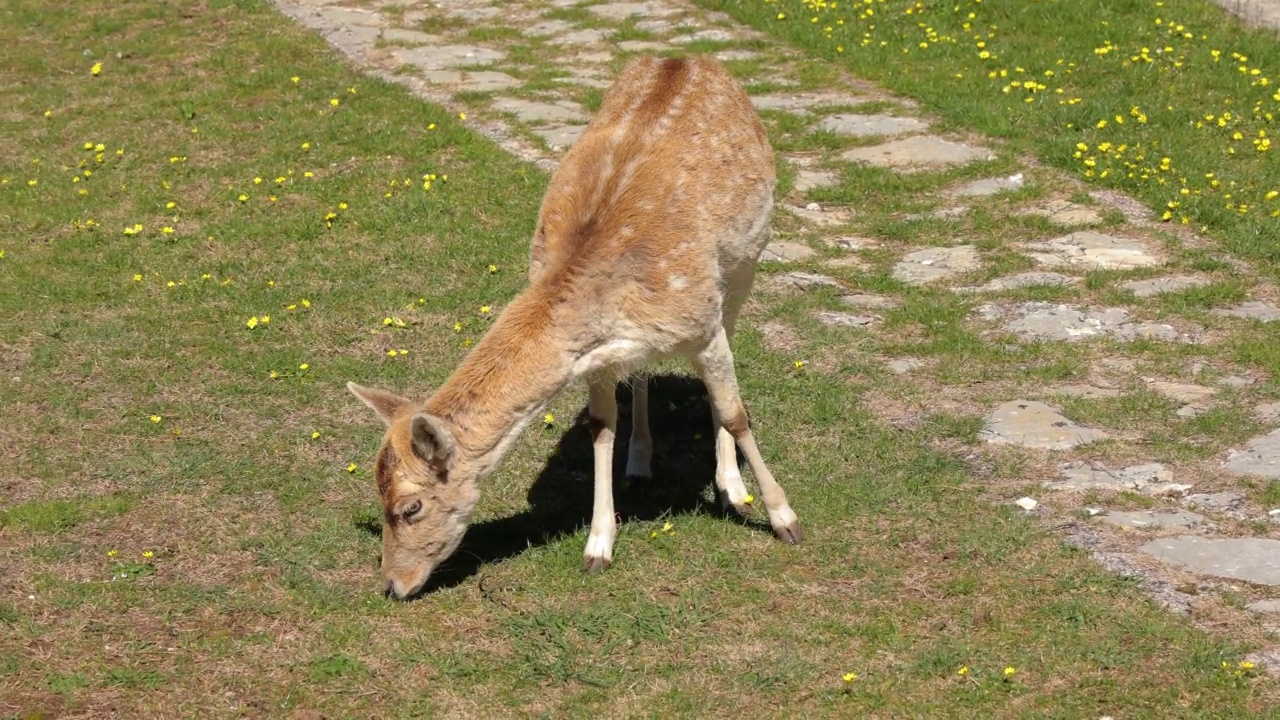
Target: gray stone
409 37
533 111
642 46
785 252
475 80
1022 280
1093 250
870 125
734 55
932 264
439 57
1182 392
709 35
806 281
1148 478
1235 381
1061 212
547 27
1153 519
801 103
656 25
1043 321
1264 606
922 152
807 180
588 36
903 366
1085 391
560 137
815 214
1159 286
877 302
1035 425
1225 502
1251 560
348 17
1260 456
473 14
1253 310
989 186
826 317
1267 412
619 11
850 242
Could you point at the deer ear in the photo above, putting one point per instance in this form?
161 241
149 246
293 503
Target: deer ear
432 441
387 405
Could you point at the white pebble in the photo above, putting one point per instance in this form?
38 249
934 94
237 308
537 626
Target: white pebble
1027 503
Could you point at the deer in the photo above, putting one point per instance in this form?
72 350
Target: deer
645 248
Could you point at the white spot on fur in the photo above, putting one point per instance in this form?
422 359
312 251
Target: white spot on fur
677 283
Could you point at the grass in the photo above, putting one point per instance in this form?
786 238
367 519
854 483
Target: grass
1170 100
189 523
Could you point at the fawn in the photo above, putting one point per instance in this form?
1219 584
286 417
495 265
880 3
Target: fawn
646 247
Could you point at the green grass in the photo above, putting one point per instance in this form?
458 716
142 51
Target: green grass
144 415
1208 78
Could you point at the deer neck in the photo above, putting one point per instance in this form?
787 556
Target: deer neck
519 366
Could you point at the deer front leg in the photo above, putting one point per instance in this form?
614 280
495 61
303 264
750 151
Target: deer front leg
640 449
729 485
602 411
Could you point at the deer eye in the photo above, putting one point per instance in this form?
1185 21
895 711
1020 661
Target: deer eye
413 509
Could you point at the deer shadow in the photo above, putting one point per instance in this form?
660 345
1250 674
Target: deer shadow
560 498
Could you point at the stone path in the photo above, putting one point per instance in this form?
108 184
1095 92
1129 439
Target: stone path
1055 266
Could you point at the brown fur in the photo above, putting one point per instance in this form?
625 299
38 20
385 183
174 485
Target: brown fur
645 246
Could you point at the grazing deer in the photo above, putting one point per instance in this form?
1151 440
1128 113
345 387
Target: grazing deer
646 247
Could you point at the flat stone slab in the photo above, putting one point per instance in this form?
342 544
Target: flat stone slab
815 214
1094 250
474 13
560 137
477 80
1267 412
1254 560
807 180
734 55
856 125
588 36
642 46
1044 321
619 11
1253 310
801 103
1264 606
851 242
1162 285
440 57
875 302
1183 392
409 37
1035 425
548 27
902 366
1022 280
535 112
1062 212
1225 502
1148 478
989 186
1260 456
1153 519
805 280
785 252
827 317
922 152
932 264
1085 391
708 35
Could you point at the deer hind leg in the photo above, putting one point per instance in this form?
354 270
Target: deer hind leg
602 409
640 449
729 485
715 365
